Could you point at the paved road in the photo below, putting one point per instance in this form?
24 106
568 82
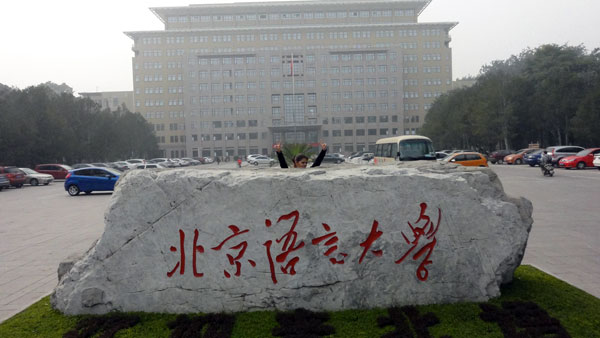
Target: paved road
565 237
41 226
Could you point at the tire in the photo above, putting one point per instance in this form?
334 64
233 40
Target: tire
581 165
518 161
531 165
499 161
73 190
255 163
18 186
338 162
46 183
34 182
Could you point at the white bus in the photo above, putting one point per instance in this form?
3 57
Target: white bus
404 148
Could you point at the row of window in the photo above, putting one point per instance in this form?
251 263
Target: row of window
291 16
295 36
360 132
226 137
288 84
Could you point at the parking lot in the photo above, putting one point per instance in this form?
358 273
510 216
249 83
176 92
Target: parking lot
41 226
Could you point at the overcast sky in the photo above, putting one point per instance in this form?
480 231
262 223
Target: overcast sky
81 42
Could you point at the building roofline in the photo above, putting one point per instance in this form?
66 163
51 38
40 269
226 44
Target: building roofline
275 4
450 25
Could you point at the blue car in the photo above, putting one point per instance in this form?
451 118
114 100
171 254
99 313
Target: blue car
533 158
91 179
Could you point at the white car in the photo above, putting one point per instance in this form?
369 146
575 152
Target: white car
191 161
34 178
152 166
252 156
262 160
596 161
208 160
133 162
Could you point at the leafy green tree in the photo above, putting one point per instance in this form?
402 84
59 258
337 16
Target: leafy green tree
546 95
39 125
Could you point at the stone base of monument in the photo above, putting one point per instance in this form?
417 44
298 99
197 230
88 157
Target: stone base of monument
349 237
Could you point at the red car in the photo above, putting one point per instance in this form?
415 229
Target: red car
582 159
58 171
15 176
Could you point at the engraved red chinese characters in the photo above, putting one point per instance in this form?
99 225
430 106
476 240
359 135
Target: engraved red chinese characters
241 247
373 236
331 240
181 264
289 246
428 230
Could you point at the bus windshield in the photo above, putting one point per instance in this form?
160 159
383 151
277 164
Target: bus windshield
416 149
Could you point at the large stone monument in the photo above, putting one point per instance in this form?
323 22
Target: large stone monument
209 240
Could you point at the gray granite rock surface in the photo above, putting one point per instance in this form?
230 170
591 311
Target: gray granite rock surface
364 236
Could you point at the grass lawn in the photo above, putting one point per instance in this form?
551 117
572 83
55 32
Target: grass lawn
568 308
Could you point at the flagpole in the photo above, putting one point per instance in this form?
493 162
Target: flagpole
293 98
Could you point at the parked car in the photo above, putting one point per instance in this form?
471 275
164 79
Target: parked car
440 155
499 155
330 158
91 179
133 162
252 156
4 182
15 176
581 160
191 161
262 159
58 171
597 161
119 165
559 152
208 160
367 156
167 162
152 166
34 178
468 159
81 165
533 158
517 158
100 164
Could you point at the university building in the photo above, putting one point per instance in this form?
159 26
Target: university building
233 79
111 100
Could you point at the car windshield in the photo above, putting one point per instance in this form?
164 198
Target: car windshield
584 152
13 170
29 171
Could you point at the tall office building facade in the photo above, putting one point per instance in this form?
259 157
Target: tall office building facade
233 79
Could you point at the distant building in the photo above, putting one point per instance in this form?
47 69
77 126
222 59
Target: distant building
111 100
464 82
232 79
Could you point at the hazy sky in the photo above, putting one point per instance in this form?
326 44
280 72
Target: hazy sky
81 42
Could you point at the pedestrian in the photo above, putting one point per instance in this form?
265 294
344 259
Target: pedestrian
239 161
218 160
300 160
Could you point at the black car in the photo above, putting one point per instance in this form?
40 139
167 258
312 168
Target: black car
498 155
332 159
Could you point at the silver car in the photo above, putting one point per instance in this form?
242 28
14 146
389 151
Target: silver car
34 178
261 160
